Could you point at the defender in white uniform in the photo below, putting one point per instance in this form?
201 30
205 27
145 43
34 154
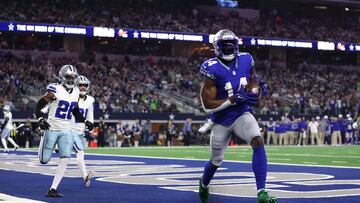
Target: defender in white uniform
86 108
62 100
7 127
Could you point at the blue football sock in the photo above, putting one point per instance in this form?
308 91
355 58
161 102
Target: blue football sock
259 165
209 171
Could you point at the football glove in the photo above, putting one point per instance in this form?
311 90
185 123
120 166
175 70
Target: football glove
43 124
89 125
246 97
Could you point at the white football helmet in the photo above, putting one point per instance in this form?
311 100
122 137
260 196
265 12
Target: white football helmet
82 80
6 108
226 44
68 75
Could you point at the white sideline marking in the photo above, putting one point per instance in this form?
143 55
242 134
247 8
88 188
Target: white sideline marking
12 199
230 161
310 162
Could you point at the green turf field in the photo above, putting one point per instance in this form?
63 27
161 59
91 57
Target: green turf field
332 156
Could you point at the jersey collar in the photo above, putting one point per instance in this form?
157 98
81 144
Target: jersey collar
227 67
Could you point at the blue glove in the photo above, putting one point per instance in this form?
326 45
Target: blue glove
246 97
263 87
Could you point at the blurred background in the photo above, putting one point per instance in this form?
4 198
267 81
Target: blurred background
143 59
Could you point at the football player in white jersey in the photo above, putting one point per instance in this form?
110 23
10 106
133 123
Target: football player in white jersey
62 100
7 127
86 108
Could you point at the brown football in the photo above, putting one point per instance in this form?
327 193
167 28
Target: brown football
253 86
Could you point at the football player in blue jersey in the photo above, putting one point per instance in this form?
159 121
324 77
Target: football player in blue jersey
224 97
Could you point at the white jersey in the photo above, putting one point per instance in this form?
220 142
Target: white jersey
60 110
9 124
86 108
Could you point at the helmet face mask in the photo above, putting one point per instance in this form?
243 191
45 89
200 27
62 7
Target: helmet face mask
226 44
68 75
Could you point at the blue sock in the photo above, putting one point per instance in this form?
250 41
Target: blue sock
209 171
259 165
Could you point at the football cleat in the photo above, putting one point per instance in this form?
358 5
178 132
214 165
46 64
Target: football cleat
264 197
203 192
16 147
53 193
88 178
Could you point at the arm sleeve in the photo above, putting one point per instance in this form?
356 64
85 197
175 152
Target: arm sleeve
77 114
40 105
208 71
90 114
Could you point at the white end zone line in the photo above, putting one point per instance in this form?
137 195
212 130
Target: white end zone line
231 161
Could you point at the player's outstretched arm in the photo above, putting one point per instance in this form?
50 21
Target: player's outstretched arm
208 98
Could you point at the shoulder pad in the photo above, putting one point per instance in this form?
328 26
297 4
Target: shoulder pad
207 69
52 87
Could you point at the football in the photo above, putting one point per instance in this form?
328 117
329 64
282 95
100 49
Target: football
253 86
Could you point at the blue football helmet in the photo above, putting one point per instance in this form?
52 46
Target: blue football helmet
226 44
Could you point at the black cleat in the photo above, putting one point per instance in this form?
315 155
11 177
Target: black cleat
53 193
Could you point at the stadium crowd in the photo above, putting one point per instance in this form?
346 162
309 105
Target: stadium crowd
182 17
133 85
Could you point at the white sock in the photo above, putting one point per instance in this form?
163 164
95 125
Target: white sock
60 172
81 163
3 141
12 141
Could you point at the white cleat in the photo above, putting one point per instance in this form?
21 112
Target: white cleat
206 127
88 178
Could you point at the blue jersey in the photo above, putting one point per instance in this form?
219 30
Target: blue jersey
336 125
294 126
271 126
228 80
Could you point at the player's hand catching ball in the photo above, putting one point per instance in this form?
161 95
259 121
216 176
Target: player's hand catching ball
243 96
